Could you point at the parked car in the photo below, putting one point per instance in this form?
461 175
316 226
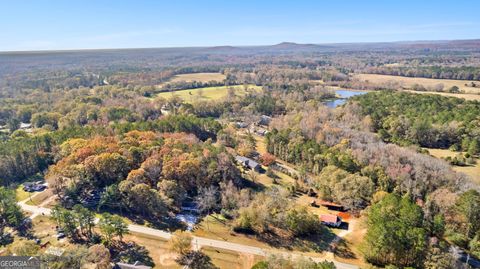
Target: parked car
60 235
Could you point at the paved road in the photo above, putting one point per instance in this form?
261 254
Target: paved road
198 242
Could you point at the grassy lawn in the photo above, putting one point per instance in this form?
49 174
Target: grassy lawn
219 229
230 259
164 258
348 250
21 194
260 144
127 220
157 248
201 77
473 171
471 93
304 200
44 229
281 180
208 93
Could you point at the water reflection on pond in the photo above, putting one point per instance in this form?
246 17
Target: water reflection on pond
344 95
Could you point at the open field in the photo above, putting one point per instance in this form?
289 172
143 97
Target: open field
208 93
473 171
304 200
466 96
471 93
200 77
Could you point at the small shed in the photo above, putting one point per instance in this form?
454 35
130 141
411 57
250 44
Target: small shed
332 206
331 220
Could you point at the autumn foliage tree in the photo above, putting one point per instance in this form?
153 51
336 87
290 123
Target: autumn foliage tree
267 159
140 172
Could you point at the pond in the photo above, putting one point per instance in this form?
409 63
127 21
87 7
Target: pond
344 95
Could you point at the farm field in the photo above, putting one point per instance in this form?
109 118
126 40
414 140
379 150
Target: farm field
471 93
473 171
209 93
200 77
466 96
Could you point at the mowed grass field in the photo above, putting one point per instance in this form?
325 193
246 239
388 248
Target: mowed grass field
201 77
473 171
209 93
471 93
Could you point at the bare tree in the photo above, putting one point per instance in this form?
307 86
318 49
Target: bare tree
207 200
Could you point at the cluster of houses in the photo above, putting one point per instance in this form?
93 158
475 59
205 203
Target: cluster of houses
258 128
27 127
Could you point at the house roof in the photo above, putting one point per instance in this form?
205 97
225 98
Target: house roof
327 203
25 125
247 161
329 218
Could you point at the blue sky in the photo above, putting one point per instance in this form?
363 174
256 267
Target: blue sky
89 24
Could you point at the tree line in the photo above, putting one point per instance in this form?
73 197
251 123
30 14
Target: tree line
427 120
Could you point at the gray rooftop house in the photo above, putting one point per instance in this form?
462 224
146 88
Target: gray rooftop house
264 120
248 163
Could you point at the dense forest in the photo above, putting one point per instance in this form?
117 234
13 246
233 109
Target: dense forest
427 120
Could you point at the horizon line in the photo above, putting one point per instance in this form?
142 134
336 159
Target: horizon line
233 46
